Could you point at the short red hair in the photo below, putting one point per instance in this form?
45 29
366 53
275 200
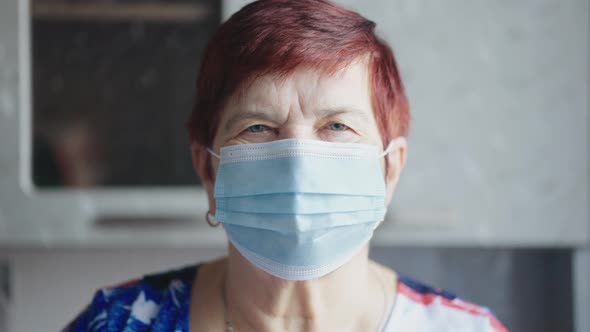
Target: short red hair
277 37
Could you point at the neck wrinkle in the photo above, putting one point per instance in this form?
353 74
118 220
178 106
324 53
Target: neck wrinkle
262 302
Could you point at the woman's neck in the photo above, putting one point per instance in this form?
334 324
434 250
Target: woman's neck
350 298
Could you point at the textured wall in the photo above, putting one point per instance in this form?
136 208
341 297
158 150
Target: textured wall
9 87
5 289
499 98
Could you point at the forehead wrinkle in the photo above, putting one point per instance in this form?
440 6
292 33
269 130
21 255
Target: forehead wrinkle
294 95
257 99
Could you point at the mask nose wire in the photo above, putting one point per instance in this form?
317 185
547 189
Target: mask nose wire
385 152
213 153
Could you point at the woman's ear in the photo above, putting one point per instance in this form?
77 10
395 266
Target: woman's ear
202 164
395 161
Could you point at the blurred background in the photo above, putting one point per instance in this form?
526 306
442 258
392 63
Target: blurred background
97 187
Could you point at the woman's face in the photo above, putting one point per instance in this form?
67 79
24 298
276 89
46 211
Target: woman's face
308 105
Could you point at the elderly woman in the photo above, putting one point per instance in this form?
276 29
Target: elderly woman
298 135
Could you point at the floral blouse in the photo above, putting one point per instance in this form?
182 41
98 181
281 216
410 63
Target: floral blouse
160 303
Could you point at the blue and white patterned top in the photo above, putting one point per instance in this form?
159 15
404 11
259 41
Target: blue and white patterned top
157 303
160 303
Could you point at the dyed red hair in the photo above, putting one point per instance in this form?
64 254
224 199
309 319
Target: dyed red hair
277 37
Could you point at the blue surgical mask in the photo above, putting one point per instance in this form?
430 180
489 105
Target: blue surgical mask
299 209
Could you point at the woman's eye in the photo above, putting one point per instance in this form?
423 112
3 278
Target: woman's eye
337 126
257 128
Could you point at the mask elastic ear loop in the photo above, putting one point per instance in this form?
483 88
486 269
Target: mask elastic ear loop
213 153
388 149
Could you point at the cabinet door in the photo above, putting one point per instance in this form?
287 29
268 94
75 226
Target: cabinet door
92 78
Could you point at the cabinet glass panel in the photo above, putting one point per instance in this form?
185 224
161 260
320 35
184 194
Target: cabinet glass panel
113 84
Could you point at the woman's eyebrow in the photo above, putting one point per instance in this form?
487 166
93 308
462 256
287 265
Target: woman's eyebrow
324 113
247 115
347 111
